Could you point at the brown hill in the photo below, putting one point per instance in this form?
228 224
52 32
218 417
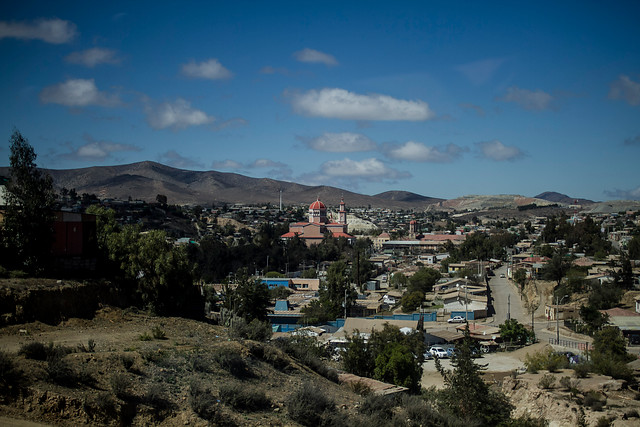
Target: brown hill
145 180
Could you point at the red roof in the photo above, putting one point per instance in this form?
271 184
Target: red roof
317 205
341 234
289 234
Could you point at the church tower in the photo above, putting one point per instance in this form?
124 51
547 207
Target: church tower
342 214
318 212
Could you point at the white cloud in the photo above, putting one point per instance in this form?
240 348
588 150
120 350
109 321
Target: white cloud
227 165
315 56
633 194
277 170
54 31
177 115
77 93
267 69
172 158
341 104
97 150
419 152
528 99
211 69
480 72
496 150
627 89
345 142
372 169
94 56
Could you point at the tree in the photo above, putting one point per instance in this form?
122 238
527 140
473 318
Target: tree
398 280
556 268
593 318
336 291
160 273
520 277
389 356
423 280
515 332
162 199
249 300
609 355
634 247
28 220
467 395
411 300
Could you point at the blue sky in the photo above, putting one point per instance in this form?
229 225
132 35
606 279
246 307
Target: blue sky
443 99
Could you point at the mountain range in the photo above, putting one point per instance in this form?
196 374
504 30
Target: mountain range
145 180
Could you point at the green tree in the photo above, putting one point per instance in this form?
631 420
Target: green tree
411 300
609 355
389 356
515 332
520 277
398 280
593 318
336 291
423 280
556 268
28 218
250 299
467 395
161 274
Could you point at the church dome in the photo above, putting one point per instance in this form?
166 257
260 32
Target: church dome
317 205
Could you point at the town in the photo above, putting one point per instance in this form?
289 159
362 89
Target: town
378 300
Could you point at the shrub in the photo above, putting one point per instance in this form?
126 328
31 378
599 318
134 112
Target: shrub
359 387
127 361
155 397
90 348
547 381
145 337
60 372
203 402
581 370
269 354
565 382
378 407
11 378
256 330
35 350
308 404
594 400
201 363
159 333
603 421
242 398
103 406
120 384
233 363
545 359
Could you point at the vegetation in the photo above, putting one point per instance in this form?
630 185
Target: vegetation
515 332
467 395
388 355
27 228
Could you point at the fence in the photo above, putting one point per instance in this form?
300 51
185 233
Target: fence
578 345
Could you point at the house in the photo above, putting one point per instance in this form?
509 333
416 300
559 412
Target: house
319 226
626 320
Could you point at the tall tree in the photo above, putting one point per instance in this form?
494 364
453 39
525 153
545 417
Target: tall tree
28 222
467 395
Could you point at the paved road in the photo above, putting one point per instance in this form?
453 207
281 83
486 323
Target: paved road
505 299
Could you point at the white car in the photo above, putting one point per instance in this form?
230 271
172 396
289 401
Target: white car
438 352
456 319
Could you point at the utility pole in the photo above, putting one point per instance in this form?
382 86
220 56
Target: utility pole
509 307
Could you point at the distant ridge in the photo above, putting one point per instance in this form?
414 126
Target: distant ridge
406 196
145 180
552 196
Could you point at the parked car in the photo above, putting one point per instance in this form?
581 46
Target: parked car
502 276
451 351
456 319
438 352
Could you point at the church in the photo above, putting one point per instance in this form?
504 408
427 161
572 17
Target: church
319 226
